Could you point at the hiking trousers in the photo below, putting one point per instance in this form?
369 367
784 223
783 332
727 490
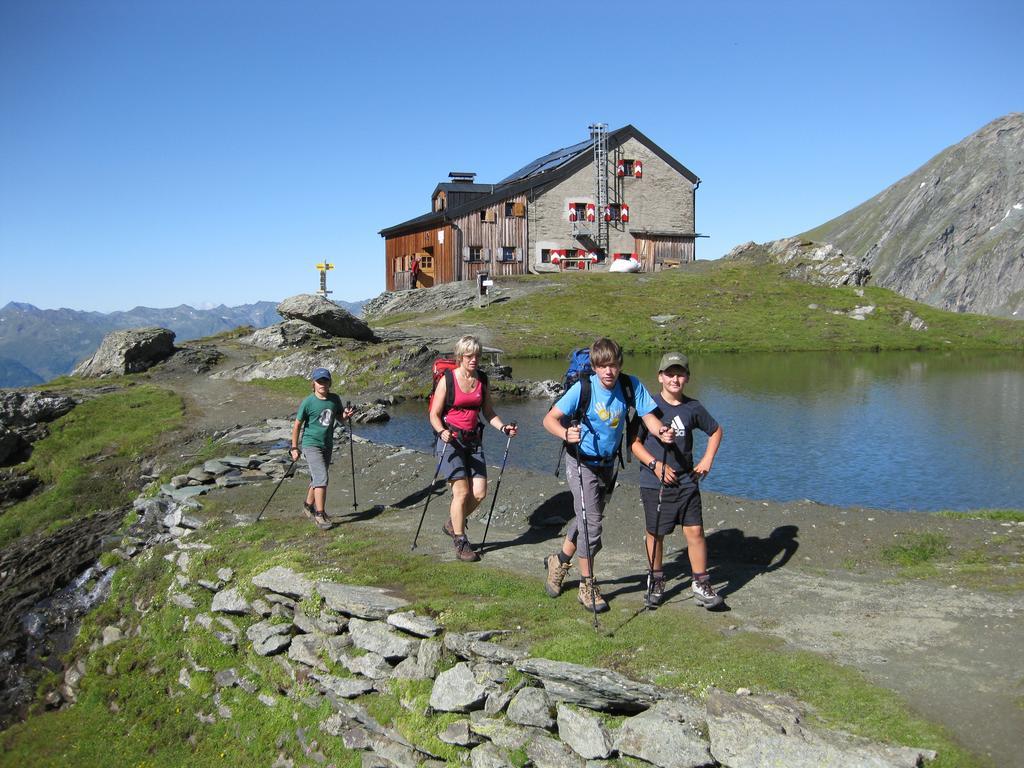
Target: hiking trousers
597 483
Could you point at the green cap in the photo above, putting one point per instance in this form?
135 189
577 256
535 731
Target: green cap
674 358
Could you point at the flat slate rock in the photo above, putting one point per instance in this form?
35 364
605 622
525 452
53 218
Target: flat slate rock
362 602
591 687
414 624
456 690
344 687
378 637
756 731
284 581
668 735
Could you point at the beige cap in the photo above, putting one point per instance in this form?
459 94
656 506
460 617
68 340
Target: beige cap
674 358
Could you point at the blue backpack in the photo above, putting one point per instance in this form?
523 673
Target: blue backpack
581 370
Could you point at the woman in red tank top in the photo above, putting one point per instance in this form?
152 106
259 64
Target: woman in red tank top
459 446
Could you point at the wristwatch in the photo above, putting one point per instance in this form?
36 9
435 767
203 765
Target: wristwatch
652 464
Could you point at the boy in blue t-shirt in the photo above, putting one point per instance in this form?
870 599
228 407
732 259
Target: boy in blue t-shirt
593 447
316 418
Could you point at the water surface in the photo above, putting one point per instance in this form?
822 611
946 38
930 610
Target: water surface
906 431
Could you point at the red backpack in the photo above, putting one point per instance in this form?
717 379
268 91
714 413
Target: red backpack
445 367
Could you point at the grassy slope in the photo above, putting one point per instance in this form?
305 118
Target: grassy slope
86 456
723 308
141 715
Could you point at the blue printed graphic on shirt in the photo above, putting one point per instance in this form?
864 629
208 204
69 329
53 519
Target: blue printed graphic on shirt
603 424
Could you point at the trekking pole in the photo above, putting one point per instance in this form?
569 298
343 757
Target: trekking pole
288 473
558 464
657 523
352 460
430 493
586 529
497 486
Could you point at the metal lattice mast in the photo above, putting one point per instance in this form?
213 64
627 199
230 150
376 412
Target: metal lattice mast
599 133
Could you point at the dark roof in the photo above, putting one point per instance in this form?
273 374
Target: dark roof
544 171
457 186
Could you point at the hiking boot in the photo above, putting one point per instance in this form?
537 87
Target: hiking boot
464 550
450 531
655 590
322 521
308 509
590 596
704 594
557 571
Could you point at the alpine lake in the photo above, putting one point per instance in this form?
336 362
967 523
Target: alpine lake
889 430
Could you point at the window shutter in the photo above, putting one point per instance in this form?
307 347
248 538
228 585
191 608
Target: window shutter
519 254
518 209
485 254
465 253
490 215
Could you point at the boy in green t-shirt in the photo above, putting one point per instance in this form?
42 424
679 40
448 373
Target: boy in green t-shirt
316 419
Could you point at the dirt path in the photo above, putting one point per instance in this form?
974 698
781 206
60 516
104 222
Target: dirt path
806 573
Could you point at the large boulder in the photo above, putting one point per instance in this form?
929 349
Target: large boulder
326 315
131 351
290 333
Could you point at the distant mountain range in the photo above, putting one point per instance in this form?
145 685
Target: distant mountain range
951 234
38 344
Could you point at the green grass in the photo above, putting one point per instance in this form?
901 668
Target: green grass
916 549
721 308
1005 515
89 457
153 727
295 386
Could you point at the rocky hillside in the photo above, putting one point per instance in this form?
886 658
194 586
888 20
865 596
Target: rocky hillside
951 234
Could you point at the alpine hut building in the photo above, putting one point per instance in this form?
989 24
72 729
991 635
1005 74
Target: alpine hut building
615 195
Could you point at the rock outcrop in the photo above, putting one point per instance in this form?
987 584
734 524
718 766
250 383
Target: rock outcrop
129 351
951 233
23 416
325 315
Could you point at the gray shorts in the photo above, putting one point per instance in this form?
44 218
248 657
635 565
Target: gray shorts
679 506
318 459
598 483
458 459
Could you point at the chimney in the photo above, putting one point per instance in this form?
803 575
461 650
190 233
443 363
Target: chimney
461 177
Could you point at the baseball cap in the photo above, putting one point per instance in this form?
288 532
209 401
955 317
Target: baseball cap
320 373
674 358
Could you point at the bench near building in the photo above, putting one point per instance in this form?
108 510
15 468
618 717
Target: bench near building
615 195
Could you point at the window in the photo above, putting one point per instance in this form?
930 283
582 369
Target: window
476 253
581 211
545 255
509 208
627 167
508 253
426 262
614 212
483 215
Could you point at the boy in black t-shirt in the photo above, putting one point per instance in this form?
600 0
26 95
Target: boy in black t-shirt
669 480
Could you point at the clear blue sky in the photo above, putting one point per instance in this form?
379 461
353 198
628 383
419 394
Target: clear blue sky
200 152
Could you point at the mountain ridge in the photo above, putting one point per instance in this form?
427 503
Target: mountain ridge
951 233
44 343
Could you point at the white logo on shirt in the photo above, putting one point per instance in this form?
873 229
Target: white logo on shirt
326 415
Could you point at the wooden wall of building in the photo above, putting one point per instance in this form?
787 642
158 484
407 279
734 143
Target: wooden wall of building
492 233
437 242
655 252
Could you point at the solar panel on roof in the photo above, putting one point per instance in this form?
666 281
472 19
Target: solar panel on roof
548 162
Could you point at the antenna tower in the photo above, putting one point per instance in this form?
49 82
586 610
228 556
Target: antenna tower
599 134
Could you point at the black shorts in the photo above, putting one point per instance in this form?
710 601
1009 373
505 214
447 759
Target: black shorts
679 506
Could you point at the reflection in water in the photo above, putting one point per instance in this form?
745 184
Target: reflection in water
890 430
